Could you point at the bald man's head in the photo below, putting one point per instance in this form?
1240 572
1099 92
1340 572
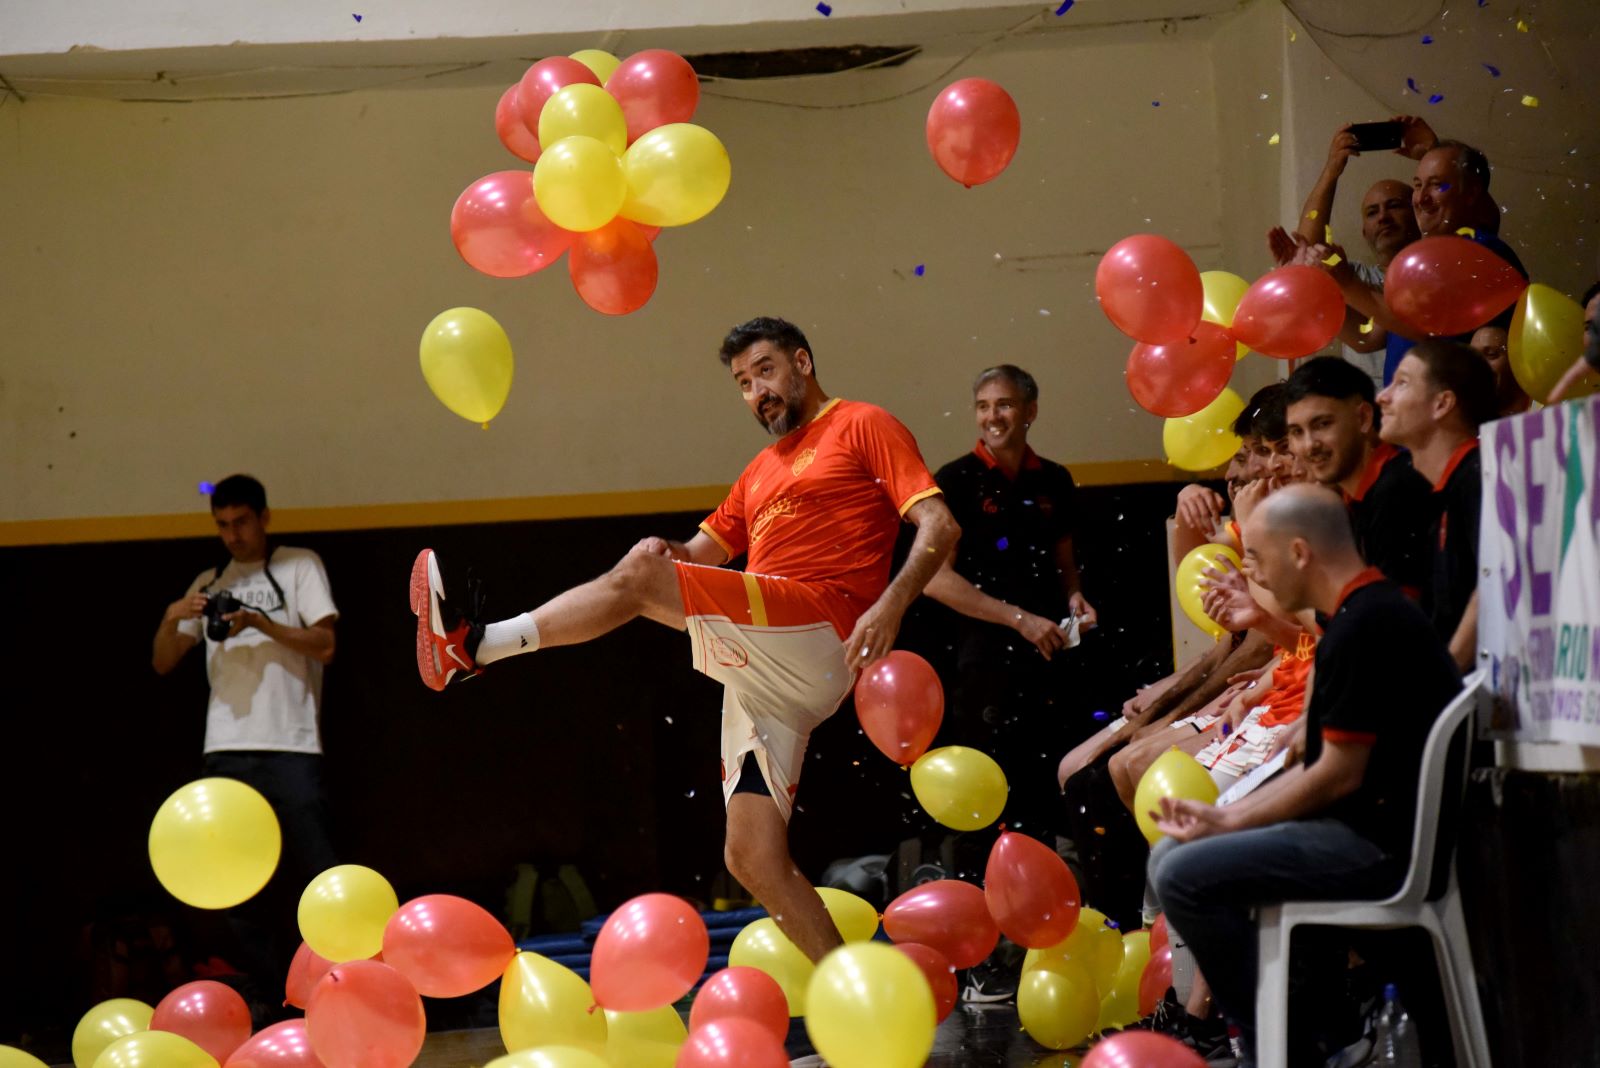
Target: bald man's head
1387 220
1294 538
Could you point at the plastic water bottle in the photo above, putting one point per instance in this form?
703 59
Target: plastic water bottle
1395 1039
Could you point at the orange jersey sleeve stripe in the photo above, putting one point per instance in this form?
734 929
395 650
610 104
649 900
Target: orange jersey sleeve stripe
1349 737
714 536
915 497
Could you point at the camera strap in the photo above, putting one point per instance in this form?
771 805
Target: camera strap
266 568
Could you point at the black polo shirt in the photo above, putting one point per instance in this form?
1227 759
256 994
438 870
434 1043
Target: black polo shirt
1459 493
1010 527
1382 678
1393 512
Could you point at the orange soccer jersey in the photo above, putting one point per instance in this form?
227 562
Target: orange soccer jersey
1288 694
822 505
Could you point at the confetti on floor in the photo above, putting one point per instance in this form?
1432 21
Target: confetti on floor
1530 101
1274 139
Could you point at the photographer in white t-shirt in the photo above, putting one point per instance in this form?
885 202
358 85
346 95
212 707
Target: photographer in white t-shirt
266 616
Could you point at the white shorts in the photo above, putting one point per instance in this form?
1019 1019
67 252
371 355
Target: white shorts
780 678
1230 759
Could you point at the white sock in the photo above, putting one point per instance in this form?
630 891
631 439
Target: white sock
508 638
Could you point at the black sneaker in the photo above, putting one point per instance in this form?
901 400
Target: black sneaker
447 637
994 981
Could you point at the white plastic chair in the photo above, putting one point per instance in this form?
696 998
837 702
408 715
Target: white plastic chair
1441 917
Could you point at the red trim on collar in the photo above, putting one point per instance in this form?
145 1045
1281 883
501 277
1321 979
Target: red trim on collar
1463 450
1365 578
1030 459
1375 464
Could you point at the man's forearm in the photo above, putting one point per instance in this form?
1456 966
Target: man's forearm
1313 225
1252 652
936 537
169 647
954 592
1183 684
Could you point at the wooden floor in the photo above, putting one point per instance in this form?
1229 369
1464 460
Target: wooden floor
971 1038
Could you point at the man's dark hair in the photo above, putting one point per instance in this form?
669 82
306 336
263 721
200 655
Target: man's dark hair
239 489
1020 380
1329 376
1461 370
1473 161
781 332
1589 294
1265 416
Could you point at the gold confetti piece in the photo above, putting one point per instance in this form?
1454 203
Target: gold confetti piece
1467 231
1312 214
1366 327
1272 140
1522 27
1530 101
1293 37
1333 260
1327 235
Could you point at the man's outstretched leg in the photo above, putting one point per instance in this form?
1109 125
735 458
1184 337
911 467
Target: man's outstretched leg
452 643
757 853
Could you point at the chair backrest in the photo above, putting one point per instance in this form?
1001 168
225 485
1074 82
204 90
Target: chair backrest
1436 772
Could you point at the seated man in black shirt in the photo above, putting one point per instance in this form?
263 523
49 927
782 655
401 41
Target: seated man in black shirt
1442 391
1339 826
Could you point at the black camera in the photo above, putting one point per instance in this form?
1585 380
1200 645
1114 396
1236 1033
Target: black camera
217 606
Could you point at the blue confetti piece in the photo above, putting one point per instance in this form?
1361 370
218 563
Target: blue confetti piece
1155 103
207 488
1003 544
1427 38
1483 3
1435 98
1066 6
1101 715
1114 925
826 9
1444 187
1494 71
1411 83
356 17
1226 730
919 270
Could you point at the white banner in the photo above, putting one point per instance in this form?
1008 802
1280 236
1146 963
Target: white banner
1539 579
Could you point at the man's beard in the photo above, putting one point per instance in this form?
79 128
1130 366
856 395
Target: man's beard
787 419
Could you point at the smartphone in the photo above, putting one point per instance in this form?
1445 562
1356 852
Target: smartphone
1376 136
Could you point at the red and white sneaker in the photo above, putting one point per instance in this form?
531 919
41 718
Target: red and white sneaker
447 637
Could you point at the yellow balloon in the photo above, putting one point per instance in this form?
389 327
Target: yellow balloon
604 64
104 1024
1222 292
1546 336
544 1004
1135 955
1204 440
1117 1009
1092 944
763 947
466 361
578 183
1173 774
343 912
1057 1004
856 919
154 1049
962 788
12 1057
556 1057
675 174
1187 583
644 1039
869 1006
584 111
214 843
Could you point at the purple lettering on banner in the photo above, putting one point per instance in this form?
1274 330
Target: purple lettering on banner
1594 472
1505 507
1533 493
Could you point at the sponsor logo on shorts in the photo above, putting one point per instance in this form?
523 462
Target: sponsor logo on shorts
803 461
728 653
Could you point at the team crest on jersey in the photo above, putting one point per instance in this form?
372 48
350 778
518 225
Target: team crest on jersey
728 653
783 507
803 461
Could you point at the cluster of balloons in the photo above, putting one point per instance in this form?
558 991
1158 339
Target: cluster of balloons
615 159
973 128
900 703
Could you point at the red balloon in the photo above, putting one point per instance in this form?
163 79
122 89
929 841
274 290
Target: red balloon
613 268
1150 289
1158 933
742 993
650 232
446 946
940 973
544 80
973 129
731 1043
1142 1049
1180 379
947 915
210 1014
1031 893
1450 285
283 1045
519 141
305 972
654 87
498 228
1155 980
1290 312
650 953
900 704
364 1014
